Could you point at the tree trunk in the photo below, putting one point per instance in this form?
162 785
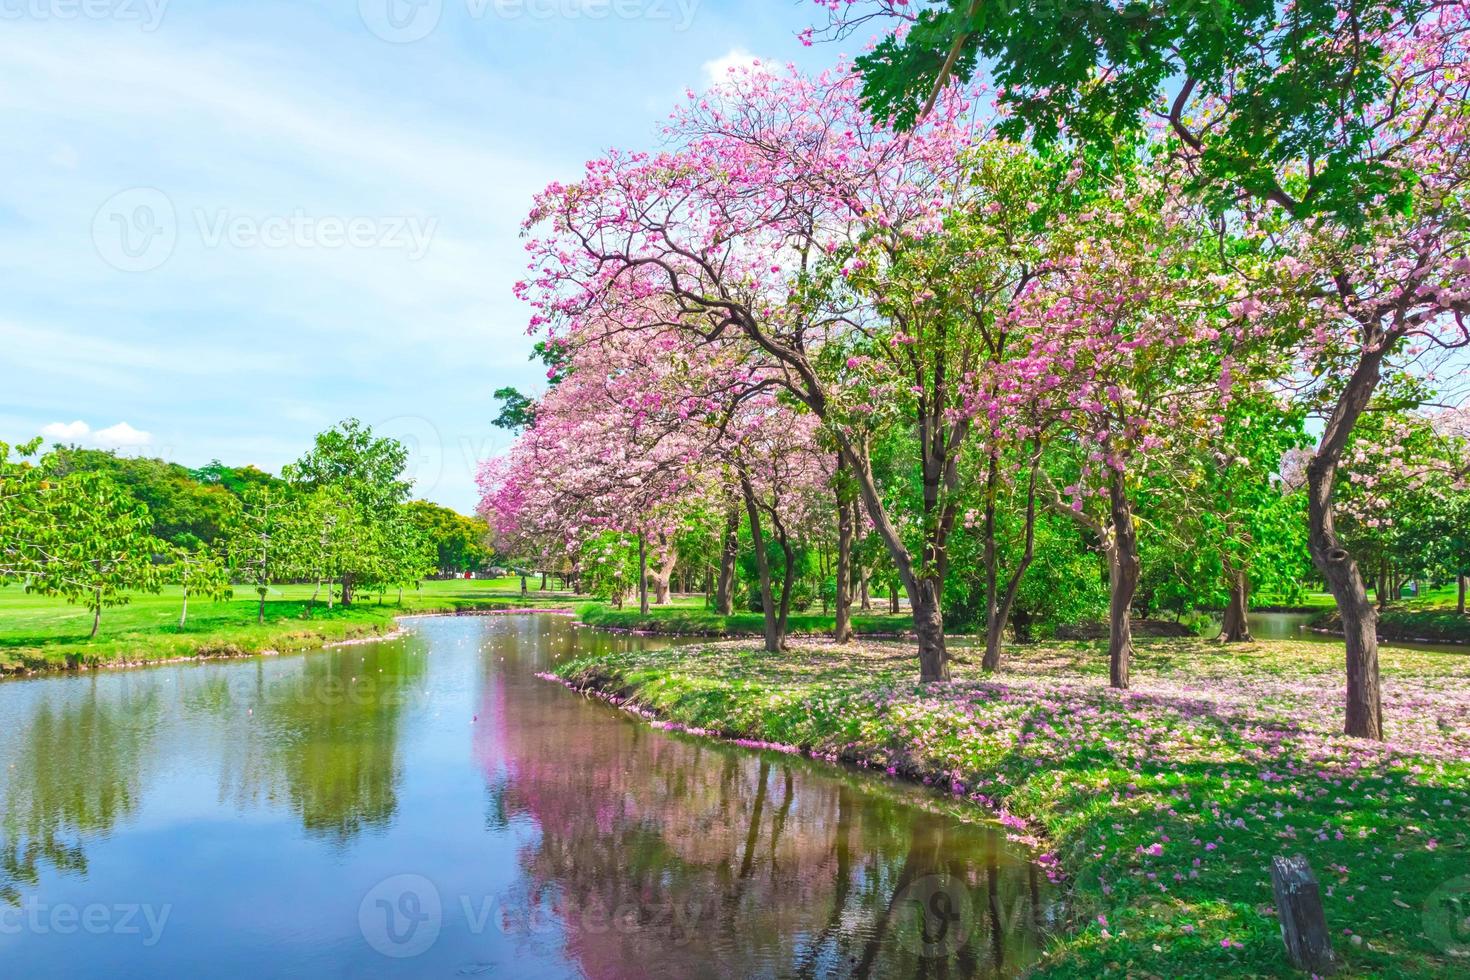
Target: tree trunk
643 574
865 595
96 616
939 471
1364 714
842 628
543 581
729 551
929 628
260 609
762 564
666 558
1236 627
1123 571
346 590
787 577
1460 605
893 598
524 589
998 607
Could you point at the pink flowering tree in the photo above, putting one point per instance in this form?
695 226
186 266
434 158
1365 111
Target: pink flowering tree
1136 362
766 230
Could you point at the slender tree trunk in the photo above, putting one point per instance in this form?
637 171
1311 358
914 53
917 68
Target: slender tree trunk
842 628
787 578
762 564
525 590
893 598
346 590
865 595
96 616
1123 569
729 552
643 574
260 610
1460 605
1364 714
543 581
184 612
926 585
1236 627
998 609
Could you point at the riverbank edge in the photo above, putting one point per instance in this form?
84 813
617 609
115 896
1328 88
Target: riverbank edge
277 643
1146 930
1406 626
1019 830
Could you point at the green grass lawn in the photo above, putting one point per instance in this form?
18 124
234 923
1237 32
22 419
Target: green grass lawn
39 633
1160 808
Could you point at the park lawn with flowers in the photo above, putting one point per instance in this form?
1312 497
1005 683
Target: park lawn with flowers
1157 809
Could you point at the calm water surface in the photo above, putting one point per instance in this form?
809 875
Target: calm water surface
426 806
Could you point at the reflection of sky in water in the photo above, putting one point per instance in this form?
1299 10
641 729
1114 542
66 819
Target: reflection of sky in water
259 805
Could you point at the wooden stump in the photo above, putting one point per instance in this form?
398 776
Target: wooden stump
1299 908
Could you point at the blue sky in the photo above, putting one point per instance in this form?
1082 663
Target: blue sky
224 226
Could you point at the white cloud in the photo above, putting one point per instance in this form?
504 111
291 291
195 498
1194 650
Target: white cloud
119 436
66 431
717 71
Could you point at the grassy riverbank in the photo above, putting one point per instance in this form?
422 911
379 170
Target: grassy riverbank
1433 616
39 633
1162 806
689 616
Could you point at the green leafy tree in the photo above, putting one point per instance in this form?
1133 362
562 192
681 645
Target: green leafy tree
96 545
1286 83
257 543
199 572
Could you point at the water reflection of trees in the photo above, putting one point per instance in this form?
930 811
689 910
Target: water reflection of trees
667 856
323 738
316 734
74 767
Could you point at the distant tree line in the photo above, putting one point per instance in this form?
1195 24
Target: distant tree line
96 528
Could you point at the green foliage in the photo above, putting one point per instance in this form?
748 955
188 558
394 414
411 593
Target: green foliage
95 545
517 412
461 544
183 508
1297 85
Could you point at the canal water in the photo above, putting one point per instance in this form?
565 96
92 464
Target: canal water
425 806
